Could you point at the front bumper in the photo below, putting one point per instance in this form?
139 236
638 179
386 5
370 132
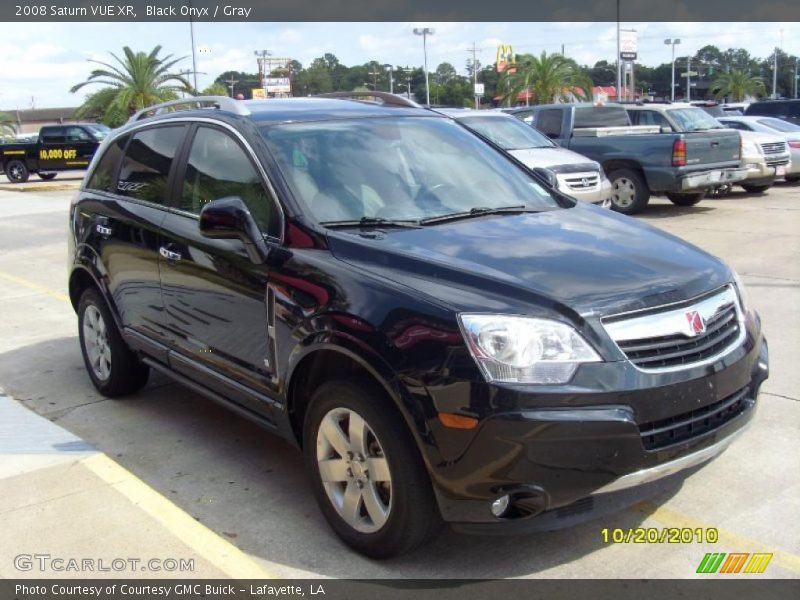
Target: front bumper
567 465
707 179
599 195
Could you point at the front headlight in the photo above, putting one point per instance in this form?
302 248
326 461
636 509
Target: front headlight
743 299
513 349
751 148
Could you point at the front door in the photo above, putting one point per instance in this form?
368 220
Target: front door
215 298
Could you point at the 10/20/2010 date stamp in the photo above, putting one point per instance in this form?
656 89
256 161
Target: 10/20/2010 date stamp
655 535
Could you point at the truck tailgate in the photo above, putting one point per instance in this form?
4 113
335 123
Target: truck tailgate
713 147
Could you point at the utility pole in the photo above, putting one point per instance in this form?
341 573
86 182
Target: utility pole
688 78
795 77
408 80
475 51
194 61
261 57
231 82
619 60
775 75
374 74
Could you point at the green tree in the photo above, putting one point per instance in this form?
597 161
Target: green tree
550 77
736 85
138 79
100 105
7 126
217 89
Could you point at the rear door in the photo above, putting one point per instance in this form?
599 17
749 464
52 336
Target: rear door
130 189
216 299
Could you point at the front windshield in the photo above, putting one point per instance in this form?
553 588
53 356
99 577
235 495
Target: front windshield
694 119
780 125
406 168
507 132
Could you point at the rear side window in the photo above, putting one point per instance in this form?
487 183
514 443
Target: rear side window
549 122
104 176
147 162
650 117
763 108
601 116
218 167
53 135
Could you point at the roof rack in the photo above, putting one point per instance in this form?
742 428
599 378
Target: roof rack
385 97
218 102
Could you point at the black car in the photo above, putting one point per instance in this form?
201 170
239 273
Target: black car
788 110
58 148
444 336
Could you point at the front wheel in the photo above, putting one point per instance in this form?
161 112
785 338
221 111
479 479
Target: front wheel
112 367
17 172
629 191
755 189
367 474
685 199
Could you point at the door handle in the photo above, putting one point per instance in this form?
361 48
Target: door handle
171 256
104 231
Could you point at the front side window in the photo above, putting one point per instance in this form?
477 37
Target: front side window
218 167
651 117
147 162
77 134
549 122
408 168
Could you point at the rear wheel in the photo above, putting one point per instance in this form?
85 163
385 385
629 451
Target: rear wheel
685 199
367 474
47 176
112 367
629 191
755 189
17 172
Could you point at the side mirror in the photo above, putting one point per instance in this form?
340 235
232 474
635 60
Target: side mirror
547 175
229 218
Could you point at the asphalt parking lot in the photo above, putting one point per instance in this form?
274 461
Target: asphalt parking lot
249 491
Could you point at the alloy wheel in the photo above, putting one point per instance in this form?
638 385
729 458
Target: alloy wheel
624 192
95 339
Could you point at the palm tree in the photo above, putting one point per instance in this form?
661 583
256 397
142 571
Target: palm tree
135 82
550 78
737 85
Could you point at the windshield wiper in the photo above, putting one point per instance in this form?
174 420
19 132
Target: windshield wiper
478 211
373 222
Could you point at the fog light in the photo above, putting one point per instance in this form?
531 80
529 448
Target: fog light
500 506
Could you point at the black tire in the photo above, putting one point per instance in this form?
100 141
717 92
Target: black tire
413 515
629 194
792 178
126 374
755 189
16 171
685 199
47 176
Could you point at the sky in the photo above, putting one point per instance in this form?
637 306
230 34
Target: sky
39 62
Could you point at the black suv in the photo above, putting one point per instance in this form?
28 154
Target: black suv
788 110
444 336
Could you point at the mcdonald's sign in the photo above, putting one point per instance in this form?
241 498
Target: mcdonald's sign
506 59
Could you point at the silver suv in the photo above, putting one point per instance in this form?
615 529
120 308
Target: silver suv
571 173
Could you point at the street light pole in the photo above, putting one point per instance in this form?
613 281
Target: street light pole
390 68
795 77
425 32
775 75
688 79
619 60
672 43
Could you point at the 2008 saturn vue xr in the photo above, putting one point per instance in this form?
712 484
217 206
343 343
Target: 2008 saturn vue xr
445 337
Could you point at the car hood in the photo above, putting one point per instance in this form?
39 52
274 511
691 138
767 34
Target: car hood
583 260
552 157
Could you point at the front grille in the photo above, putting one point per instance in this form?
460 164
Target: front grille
657 435
778 163
774 148
582 181
672 350
681 335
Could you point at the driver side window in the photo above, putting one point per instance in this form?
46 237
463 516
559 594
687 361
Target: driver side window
218 167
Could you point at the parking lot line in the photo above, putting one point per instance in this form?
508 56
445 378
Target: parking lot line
33 286
672 518
218 551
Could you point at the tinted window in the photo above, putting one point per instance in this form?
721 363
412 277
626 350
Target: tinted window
53 135
601 116
508 133
763 108
651 117
218 167
549 122
736 125
147 163
105 174
780 125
